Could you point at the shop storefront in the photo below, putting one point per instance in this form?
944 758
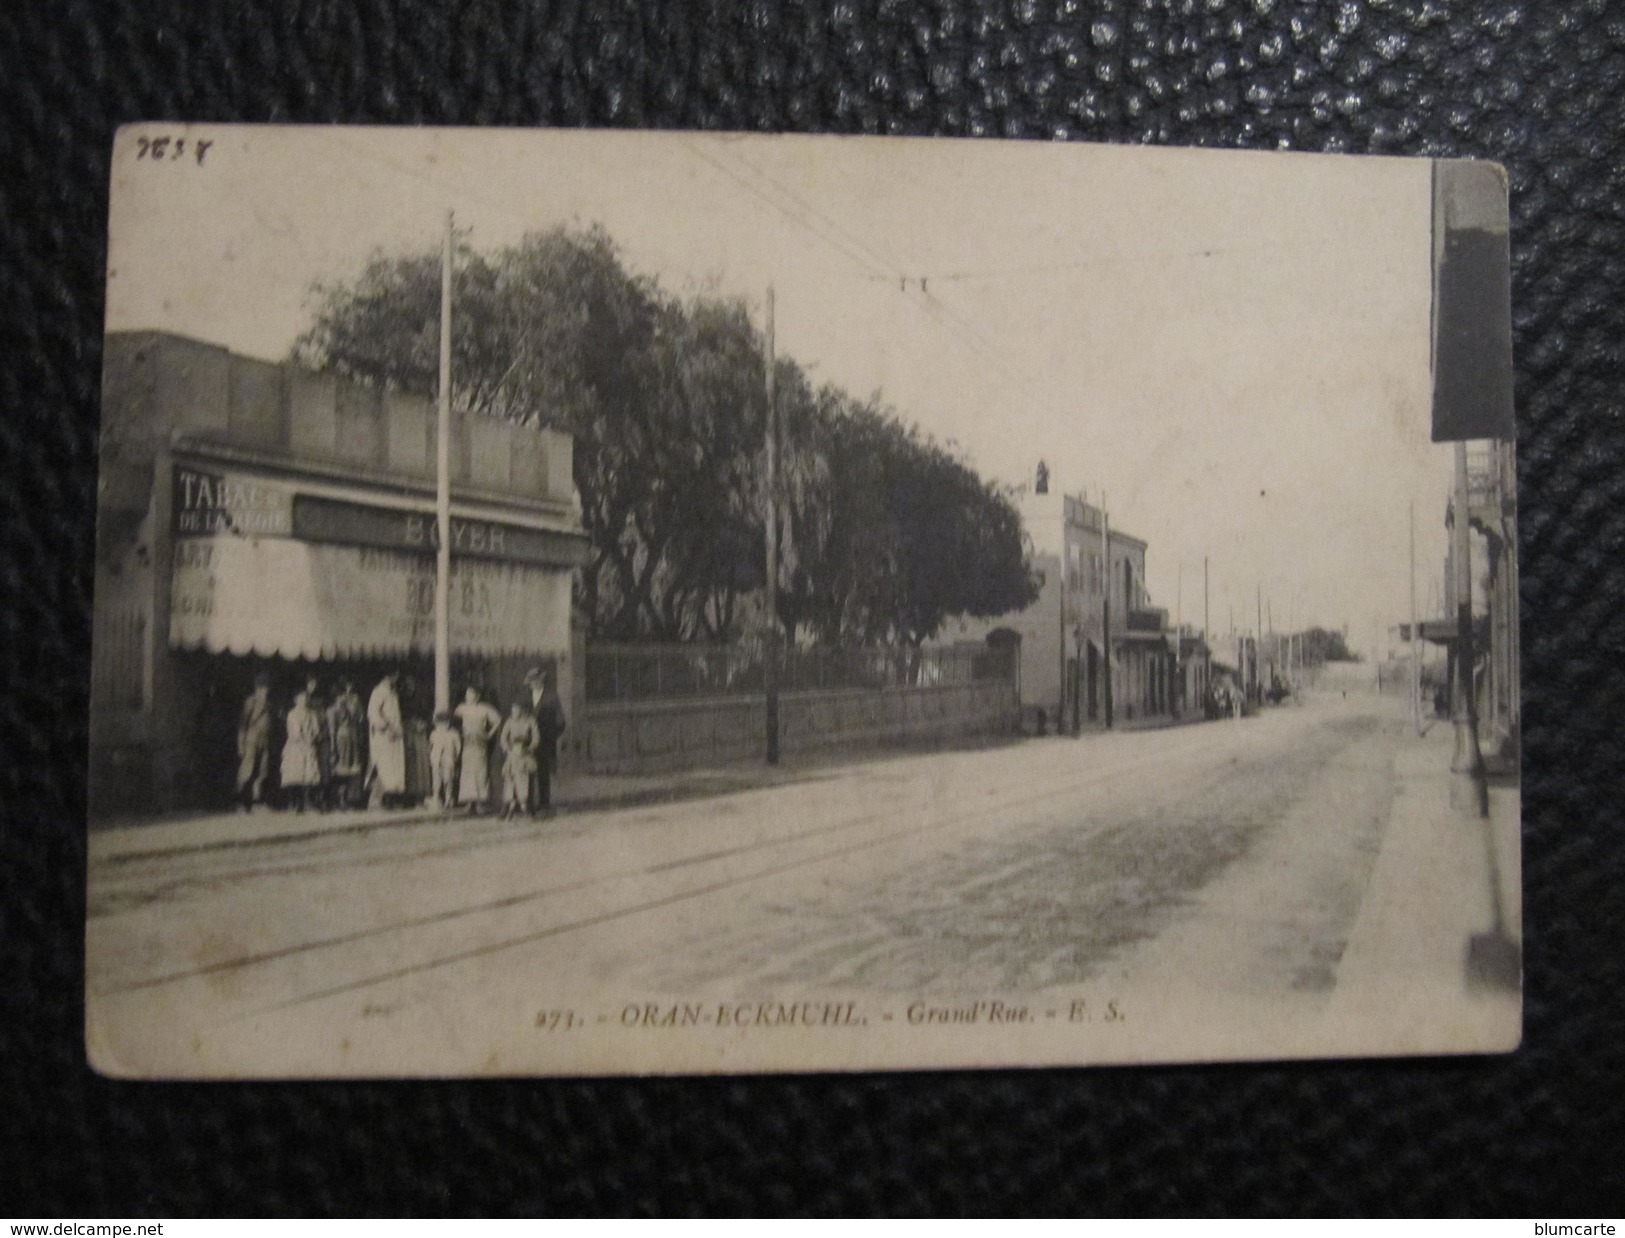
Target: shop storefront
250 562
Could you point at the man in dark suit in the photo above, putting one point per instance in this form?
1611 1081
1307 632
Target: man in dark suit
548 711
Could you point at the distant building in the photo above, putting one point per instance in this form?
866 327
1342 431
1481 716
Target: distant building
1193 670
255 518
1236 664
1064 683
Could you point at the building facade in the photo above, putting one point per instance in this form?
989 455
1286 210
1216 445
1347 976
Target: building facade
1492 491
1092 645
1492 496
1237 667
259 519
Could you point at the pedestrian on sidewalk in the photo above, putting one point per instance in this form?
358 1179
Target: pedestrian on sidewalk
254 744
480 725
347 745
419 775
319 795
301 760
445 747
547 710
386 734
519 741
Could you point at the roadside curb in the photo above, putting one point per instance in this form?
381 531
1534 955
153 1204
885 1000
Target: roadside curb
119 844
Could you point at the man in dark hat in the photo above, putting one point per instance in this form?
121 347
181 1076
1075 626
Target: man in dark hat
254 745
548 712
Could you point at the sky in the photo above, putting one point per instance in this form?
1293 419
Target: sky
1231 347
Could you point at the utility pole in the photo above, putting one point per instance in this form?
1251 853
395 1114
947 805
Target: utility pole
1177 696
1060 699
1275 644
442 493
1106 609
1258 642
1469 758
1416 636
1207 669
770 647
1295 649
1072 673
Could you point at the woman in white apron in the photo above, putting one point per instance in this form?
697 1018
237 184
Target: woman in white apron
387 751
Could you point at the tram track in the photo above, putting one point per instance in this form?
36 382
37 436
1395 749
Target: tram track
1005 812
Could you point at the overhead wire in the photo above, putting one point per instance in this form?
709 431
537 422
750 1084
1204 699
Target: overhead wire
879 265
458 189
880 259
874 264
1027 271
934 304
830 234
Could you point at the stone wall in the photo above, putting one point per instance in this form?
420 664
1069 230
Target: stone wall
646 736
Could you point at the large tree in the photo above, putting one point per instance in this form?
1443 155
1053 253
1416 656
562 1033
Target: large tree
664 401
697 516
903 534
884 534
1321 645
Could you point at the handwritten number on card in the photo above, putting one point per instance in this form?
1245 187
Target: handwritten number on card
169 149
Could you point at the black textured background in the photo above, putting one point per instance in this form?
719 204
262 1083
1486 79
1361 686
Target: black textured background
1536 85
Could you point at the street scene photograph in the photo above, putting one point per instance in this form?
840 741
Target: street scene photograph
576 602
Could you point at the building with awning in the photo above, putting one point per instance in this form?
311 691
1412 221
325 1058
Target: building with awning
258 518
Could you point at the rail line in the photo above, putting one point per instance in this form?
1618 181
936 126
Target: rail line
1005 809
848 822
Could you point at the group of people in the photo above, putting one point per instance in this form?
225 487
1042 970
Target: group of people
347 754
323 757
1225 699
460 749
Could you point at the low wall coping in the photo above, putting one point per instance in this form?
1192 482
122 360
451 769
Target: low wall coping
676 704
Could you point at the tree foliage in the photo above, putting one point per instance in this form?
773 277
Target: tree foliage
884 533
1322 645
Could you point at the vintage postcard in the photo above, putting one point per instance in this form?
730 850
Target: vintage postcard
623 603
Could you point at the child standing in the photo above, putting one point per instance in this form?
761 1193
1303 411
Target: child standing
519 741
445 747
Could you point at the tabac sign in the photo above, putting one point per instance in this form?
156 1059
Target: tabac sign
209 504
